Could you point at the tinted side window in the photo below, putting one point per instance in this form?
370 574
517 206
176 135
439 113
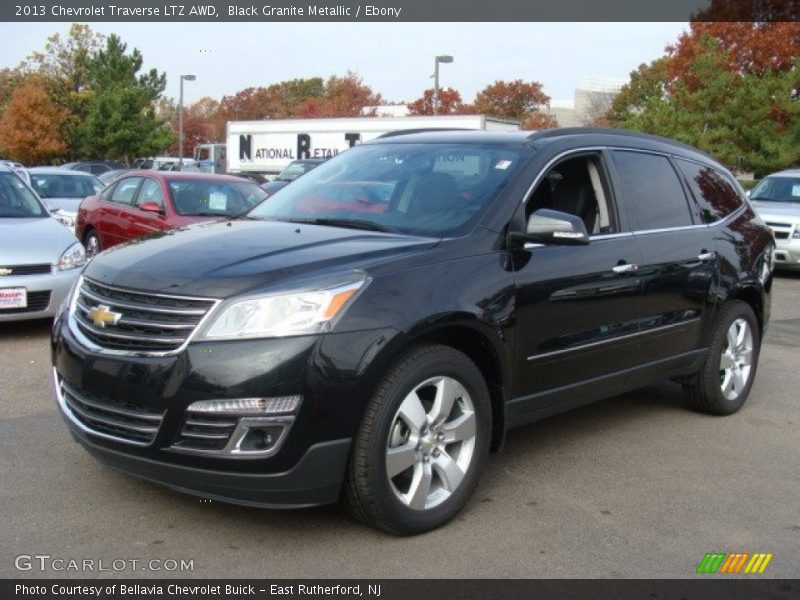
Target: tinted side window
126 190
150 193
714 193
653 189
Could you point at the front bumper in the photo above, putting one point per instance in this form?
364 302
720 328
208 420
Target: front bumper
57 284
328 371
787 253
316 478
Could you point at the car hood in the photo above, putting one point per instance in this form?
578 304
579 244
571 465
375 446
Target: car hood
33 241
779 210
228 258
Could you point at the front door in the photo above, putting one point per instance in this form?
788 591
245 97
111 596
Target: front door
577 328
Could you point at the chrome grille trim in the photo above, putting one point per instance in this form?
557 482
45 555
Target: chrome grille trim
107 421
152 324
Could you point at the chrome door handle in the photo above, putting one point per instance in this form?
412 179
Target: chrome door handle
706 256
626 268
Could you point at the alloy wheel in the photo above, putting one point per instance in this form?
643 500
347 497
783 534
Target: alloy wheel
431 443
736 360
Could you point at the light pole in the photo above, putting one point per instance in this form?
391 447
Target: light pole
445 58
180 120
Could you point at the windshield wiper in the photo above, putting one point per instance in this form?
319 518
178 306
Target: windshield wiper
348 223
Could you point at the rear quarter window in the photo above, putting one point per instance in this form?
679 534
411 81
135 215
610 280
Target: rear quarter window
714 193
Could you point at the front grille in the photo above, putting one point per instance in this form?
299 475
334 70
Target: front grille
781 235
36 301
206 432
148 323
119 420
27 269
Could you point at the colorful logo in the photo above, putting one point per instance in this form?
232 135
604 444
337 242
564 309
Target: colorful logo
734 563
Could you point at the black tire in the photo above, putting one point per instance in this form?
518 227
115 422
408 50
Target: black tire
704 391
88 240
369 494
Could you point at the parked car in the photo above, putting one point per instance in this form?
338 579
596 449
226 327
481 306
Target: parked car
17 168
63 191
95 167
381 349
777 200
39 258
109 176
146 202
293 170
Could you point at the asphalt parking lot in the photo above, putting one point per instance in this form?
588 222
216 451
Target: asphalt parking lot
636 486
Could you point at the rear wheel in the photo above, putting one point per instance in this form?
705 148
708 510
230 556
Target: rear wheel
723 384
422 443
91 241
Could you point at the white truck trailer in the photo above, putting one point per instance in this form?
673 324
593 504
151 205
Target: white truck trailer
266 147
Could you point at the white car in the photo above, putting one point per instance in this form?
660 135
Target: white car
63 190
39 257
777 200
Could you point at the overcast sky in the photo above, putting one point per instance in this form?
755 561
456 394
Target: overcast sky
396 59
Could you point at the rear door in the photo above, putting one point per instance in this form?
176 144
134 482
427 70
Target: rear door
678 259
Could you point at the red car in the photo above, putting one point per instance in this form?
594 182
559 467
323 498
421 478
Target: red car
142 202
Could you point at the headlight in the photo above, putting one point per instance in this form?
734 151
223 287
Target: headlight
66 219
796 234
285 314
73 257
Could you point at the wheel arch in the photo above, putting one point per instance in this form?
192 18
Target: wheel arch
482 344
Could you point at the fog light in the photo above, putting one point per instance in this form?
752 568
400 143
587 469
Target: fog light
248 406
261 439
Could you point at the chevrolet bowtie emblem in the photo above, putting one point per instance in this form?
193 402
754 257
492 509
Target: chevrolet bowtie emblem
4 271
102 315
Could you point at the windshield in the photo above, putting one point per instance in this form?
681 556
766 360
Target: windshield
777 189
16 199
295 169
214 198
420 189
65 186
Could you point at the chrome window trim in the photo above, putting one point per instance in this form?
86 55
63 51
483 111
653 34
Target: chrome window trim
87 343
534 357
560 156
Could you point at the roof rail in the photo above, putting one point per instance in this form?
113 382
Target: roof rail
399 132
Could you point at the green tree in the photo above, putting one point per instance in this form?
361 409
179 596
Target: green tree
64 66
121 121
747 120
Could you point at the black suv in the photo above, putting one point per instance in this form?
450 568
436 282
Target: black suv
374 329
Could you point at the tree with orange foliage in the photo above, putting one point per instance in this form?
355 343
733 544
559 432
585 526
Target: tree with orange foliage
519 100
31 128
450 103
747 48
345 96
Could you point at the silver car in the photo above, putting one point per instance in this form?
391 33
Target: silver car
63 191
777 200
39 257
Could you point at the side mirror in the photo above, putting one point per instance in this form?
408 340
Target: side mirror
546 226
151 207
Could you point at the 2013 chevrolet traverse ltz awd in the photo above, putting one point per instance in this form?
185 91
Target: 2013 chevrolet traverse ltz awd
374 329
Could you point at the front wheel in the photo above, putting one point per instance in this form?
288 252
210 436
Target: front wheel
91 242
723 384
422 443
